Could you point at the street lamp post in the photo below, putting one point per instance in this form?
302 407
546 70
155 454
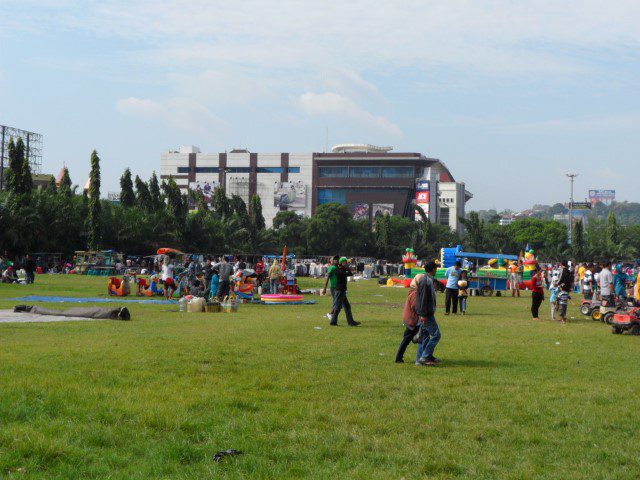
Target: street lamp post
571 176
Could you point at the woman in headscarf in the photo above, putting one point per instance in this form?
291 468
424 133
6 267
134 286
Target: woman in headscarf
409 318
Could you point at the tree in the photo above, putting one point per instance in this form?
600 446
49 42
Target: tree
383 234
26 181
65 183
52 187
474 231
221 203
255 213
127 197
177 203
143 197
15 182
94 226
578 241
612 229
157 202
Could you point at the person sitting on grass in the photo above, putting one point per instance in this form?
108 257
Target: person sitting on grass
409 318
9 276
426 310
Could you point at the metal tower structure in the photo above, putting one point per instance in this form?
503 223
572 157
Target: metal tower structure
32 144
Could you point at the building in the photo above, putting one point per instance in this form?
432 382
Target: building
368 179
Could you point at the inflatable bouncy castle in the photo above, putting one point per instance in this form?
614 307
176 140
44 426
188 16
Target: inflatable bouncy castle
409 261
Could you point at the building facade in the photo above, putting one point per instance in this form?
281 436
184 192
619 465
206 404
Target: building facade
367 179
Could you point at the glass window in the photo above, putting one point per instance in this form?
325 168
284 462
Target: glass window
239 170
328 195
333 172
397 172
294 170
183 169
444 216
207 169
269 170
364 172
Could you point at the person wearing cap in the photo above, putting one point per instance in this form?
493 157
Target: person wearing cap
340 299
426 310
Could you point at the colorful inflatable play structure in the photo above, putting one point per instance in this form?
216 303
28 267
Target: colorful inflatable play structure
409 259
281 299
119 287
148 287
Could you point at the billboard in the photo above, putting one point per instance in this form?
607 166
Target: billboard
604 196
423 197
290 195
360 211
207 189
382 209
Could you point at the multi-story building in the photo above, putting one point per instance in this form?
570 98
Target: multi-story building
368 179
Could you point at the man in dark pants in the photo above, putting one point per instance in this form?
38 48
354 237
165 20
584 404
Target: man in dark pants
426 310
451 293
340 299
29 269
224 270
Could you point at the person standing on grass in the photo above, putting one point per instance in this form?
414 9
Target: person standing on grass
331 280
409 318
167 277
451 292
29 270
537 292
224 269
587 282
463 292
426 310
340 299
274 277
519 276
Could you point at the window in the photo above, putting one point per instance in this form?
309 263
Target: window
364 172
207 169
238 170
444 216
269 170
294 170
328 195
397 172
333 172
183 169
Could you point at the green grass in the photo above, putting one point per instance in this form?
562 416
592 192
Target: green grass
158 396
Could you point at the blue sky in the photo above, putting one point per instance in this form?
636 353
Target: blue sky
510 95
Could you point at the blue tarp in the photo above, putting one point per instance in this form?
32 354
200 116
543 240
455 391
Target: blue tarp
38 298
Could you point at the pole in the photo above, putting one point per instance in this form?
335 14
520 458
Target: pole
571 176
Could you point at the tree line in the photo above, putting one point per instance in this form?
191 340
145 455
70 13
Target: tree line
62 219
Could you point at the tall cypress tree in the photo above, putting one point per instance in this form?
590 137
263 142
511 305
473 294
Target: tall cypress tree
94 226
255 213
26 181
578 240
157 202
221 203
143 197
612 229
127 197
65 183
52 187
15 169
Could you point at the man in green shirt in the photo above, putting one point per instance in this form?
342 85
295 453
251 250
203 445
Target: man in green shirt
331 279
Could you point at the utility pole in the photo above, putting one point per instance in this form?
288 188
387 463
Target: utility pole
571 176
2 159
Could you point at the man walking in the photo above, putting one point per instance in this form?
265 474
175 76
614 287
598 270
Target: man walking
451 292
340 299
426 309
332 279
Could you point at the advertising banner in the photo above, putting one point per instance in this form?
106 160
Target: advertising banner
360 211
382 209
604 196
207 189
423 197
290 194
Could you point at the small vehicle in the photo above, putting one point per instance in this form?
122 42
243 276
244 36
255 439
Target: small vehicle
607 311
587 307
626 322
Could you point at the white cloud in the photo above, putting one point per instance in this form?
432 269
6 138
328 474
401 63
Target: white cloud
177 112
339 107
591 124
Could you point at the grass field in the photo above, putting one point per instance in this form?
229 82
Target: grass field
157 397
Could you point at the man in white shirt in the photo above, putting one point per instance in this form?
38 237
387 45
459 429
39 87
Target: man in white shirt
606 283
587 283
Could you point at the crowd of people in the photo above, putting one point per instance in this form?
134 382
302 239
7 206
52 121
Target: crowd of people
9 269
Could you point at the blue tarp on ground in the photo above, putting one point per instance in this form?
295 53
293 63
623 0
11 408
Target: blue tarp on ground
38 298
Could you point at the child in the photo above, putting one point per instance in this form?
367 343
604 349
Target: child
409 318
215 280
463 293
563 300
553 298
